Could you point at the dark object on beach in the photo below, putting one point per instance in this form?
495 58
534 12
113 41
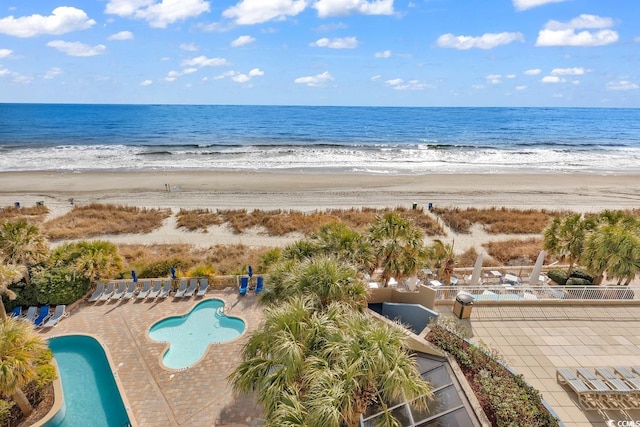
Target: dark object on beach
430 206
17 205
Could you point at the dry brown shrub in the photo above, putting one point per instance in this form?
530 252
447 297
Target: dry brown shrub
498 220
515 251
198 219
97 219
35 214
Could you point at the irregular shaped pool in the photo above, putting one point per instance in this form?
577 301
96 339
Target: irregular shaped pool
91 395
190 335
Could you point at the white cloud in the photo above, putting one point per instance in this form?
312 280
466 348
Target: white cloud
158 15
189 47
146 83
575 71
249 12
203 61
528 4
241 78
256 72
383 54
376 77
533 72
242 41
336 43
327 8
522 87
5 53
62 20
622 85
52 73
510 76
400 84
477 87
4 71
122 35
552 79
319 80
172 76
77 48
494 79
557 33
189 70
485 41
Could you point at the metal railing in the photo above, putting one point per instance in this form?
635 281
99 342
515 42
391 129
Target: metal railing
545 293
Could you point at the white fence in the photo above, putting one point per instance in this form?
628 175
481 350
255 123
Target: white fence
524 293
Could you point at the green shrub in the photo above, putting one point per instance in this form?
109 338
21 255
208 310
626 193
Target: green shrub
576 281
25 296
5 410
579 274
558 276
59 285
161 268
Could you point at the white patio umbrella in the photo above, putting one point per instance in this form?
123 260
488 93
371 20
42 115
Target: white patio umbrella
534 279
477 271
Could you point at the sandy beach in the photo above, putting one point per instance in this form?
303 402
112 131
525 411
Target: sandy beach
308 192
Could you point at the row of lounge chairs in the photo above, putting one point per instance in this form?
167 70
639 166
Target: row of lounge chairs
605 389
113 291
41 317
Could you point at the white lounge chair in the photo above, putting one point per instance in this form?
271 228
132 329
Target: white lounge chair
166 289
204 286
96 294
119 292
157 287
182 289
59 313
107 292
146 287
193 286
32 313
131 290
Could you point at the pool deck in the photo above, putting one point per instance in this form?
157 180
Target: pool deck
535 341
156 396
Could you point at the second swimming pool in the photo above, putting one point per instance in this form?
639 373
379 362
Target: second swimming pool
190 335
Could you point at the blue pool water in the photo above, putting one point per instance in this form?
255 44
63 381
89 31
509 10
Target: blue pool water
190 335
91 396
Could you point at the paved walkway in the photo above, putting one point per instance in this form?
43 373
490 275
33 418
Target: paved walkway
536 341
198 396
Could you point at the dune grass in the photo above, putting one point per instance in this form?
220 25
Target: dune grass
34 214
498 220
156 260
98 219
198 219
516 251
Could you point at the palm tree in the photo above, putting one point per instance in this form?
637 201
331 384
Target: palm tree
445 259
344 242
93 260
20 348
565 237
322 278
326 367
8 275
397 245
22 243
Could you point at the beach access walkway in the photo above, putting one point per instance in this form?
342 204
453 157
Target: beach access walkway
537 340
156 396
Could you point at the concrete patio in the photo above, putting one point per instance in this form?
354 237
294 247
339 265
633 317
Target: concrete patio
155 395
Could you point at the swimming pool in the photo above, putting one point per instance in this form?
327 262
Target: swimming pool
190 335
91 395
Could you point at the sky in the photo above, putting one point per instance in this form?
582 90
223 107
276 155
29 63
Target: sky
556 53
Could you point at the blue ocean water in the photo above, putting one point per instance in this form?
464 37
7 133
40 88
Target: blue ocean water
381 140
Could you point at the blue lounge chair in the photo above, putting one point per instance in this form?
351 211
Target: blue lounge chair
32 313
42 317
259 284
98 292
59 313
244 285
16 312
